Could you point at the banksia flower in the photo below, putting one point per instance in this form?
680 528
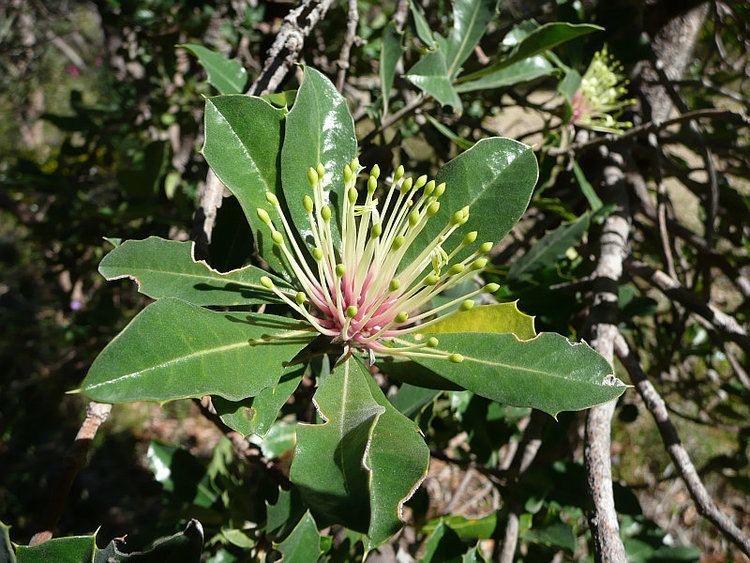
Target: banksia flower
600 100
362 293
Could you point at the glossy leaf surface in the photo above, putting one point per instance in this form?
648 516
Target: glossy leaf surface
496 178
302 545
319 129
548 373
175 350
242 146
167 268
522 71
470 19
500 318
430 74
228 76
421 27
73 549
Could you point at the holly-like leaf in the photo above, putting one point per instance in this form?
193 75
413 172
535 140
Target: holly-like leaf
548 373
470 19
501 318
390 53
303 543
421 27
183 546
319 129
327 466
364 461
284 513
522 71
496 178
257 414
430 74
550 248
397 458
228 76
175 350
443 546
242 147
543 38
73 549
168 268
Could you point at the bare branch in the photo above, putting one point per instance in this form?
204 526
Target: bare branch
96 415
721 322
351 34
605 529
680 457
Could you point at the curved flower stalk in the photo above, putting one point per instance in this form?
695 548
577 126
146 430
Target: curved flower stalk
364 295
600 98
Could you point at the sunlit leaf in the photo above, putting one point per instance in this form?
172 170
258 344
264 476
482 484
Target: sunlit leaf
430 74
228 76
500 318
302 545
470 19
522 71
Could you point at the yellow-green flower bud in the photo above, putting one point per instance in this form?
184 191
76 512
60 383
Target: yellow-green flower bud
375 172
312 177
372 184
479 264
407 184
317 254
440 190
376 230
491 287
456 269
433 208
320 170
431 279
263 216
457 218
266 282
307 203
398 242
300 298
326 213
398 174
394 285
456 358
469 238
466 305
432 342
340 270
401 317
429 188
413 217
347 173
355 165
421 181
277 238
351 311
352 195
485 247
272 199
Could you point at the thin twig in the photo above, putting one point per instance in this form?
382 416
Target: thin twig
721 322
96 415
712 113
351 34
678 453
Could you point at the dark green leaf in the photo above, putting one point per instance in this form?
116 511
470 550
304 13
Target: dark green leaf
242 146
548 373
443 546
550 248
180 474
319 129
73 549
430 75
183 547
588 190
410 399
284 514
547 36
522 71
496 177
421 27
303 543
167 268
467 528
256 414
558 535
390 53
175 350
228 76
470 19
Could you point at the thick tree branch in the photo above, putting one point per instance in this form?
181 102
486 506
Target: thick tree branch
680 457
